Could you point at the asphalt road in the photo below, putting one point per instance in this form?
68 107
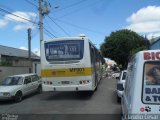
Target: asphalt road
68 105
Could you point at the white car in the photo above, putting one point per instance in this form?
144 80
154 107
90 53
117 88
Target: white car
117 74
17 86
121 84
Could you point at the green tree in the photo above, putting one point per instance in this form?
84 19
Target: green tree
122 44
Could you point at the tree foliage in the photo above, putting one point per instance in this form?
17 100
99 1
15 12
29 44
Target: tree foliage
122 44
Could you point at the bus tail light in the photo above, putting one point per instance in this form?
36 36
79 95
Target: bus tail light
80 82
83 81
48 82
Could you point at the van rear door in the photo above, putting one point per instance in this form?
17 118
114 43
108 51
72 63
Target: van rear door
151 85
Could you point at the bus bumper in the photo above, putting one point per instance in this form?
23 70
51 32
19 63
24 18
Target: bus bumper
86 87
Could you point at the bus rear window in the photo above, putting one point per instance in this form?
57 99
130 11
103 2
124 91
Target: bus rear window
64 50
151 83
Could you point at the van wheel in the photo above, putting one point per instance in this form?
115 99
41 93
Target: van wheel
118 99
39 89
18 97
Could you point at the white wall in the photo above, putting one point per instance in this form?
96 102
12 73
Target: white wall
7 71
36 68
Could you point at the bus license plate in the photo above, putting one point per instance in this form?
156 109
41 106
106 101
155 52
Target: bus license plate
65 82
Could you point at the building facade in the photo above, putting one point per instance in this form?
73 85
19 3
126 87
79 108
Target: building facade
15 61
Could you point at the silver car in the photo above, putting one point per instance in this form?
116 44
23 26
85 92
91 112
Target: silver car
17 86
121 84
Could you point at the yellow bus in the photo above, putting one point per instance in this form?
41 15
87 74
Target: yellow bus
70 64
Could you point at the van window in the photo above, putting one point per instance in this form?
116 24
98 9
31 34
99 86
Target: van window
151 83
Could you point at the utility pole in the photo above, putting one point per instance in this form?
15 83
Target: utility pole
40 22
29 49
43 10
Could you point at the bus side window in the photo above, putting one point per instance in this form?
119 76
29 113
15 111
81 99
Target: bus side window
91 53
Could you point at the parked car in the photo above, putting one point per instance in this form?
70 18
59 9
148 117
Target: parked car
116 74
120 84
17 86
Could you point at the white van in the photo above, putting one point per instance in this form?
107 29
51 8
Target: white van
141 97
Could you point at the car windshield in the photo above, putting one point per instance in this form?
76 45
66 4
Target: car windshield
12 81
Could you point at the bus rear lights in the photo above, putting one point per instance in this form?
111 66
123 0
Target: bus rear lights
83 81
48 83
80 82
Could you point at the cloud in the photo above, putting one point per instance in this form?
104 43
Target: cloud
146 27
13 18
25 15
145 20
23 48
153 35
3 23
20 27
36 51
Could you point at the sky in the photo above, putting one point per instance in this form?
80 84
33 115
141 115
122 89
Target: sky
94 18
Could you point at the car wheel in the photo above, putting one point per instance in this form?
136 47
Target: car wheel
39 89
18 97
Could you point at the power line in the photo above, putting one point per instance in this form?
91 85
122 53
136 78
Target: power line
24 19
49 32
31 3
74 4
81 8
6 11
3 6
58 25
76 26
11 18
34 21
48 25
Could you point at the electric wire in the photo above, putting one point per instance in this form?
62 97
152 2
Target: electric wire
71 5
79 27
49 32
6 11
58 25
31 3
